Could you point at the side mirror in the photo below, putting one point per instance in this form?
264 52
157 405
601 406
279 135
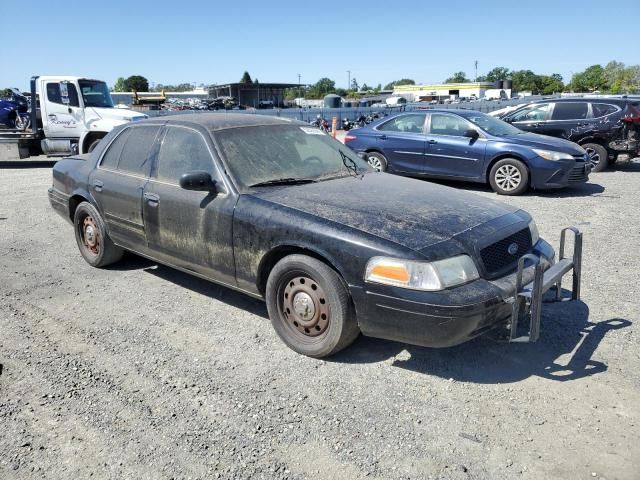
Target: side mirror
471 133
199 181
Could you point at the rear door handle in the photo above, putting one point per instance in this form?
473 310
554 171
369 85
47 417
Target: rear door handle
432 142
152 198
98 184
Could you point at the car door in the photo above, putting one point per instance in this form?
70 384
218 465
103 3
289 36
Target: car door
448 151
118 182
401 140
186 228
568 119
531 118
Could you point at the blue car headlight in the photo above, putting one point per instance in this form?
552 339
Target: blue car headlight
551 155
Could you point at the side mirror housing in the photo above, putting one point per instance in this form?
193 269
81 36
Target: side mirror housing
471 133
198 180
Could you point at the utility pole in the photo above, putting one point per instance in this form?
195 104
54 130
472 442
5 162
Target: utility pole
475 78
348 79
299 90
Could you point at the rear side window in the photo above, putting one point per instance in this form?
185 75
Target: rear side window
603 109
136 153
112 155
183 150
413 123
570 111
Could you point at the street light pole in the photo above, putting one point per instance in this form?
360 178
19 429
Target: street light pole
348 79
299 91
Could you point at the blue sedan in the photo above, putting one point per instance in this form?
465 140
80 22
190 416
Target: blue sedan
469 146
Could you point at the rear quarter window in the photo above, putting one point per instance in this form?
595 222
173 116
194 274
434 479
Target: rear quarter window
603 109
136 153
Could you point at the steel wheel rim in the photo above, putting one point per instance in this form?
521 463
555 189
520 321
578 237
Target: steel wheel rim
90 235
375 163
594 157
508 177
304 307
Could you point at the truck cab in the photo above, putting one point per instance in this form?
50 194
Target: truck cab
75 113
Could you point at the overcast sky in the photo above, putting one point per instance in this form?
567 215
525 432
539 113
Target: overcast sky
214 42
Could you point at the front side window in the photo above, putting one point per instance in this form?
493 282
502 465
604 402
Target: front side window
136 152
443 124
412 123
570 111
183 150
532 113
63 93
95 94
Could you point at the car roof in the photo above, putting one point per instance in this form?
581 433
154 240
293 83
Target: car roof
220 121
587 99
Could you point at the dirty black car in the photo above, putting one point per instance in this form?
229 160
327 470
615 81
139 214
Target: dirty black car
281 211
608 128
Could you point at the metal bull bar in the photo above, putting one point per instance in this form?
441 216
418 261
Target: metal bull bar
528 298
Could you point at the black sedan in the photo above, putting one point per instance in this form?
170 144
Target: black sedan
279 210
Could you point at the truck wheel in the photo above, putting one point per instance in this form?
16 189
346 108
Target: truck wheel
93 145
92 238
598 156
310 307
509 177
377 161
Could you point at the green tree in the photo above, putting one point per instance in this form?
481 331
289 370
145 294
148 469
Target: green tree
119 86
246 78
402 81
136 83
458 77
321 88
593 78
548 84
365 88
342 92
495 74
524 81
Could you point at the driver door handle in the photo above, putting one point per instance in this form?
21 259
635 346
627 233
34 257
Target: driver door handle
97 185
152 198
382 137
432 142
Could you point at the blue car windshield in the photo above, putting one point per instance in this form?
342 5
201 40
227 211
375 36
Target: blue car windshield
492 125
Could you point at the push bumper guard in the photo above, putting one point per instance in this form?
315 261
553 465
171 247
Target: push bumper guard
527 302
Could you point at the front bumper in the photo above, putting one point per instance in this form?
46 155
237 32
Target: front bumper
441 319
547 174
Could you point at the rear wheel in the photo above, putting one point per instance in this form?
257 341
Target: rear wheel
377 161
92 238
598 156
310 307
509 177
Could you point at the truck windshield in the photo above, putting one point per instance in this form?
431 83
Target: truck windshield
95 94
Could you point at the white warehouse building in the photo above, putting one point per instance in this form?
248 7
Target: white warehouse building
443 91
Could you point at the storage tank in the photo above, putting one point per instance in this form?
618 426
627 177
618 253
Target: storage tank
364 103
346 104
497 84
507 84
332 101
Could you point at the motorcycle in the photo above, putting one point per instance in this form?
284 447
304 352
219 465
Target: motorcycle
321 123
14 109
348 124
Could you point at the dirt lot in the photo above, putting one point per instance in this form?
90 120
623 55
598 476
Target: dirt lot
139 371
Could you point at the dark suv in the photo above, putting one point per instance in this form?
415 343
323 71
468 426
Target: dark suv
608 128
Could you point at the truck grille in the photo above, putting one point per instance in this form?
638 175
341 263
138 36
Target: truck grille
496 257
579 173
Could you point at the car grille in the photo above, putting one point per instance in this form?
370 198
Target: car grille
496 257
579 174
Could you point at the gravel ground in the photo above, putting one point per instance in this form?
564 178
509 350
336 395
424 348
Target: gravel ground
139 371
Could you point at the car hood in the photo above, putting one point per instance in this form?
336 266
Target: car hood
116 116
408 212
545 142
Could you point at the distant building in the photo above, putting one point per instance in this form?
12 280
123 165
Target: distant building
442 91
253 94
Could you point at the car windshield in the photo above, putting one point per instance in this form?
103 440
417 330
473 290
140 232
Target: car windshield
280 154
492 125
95 94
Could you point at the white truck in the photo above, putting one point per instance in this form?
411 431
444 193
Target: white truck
69 115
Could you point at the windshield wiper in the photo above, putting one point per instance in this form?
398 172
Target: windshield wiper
284 181
349 163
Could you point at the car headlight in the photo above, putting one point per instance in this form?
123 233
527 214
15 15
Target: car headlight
551 155
416 275
533 228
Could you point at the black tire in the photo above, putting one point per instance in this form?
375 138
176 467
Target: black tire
509 177
598 156
319 293
93 145
92 238
377 161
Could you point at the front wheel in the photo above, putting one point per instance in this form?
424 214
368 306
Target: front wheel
598 156
310 307
509 177
377 161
